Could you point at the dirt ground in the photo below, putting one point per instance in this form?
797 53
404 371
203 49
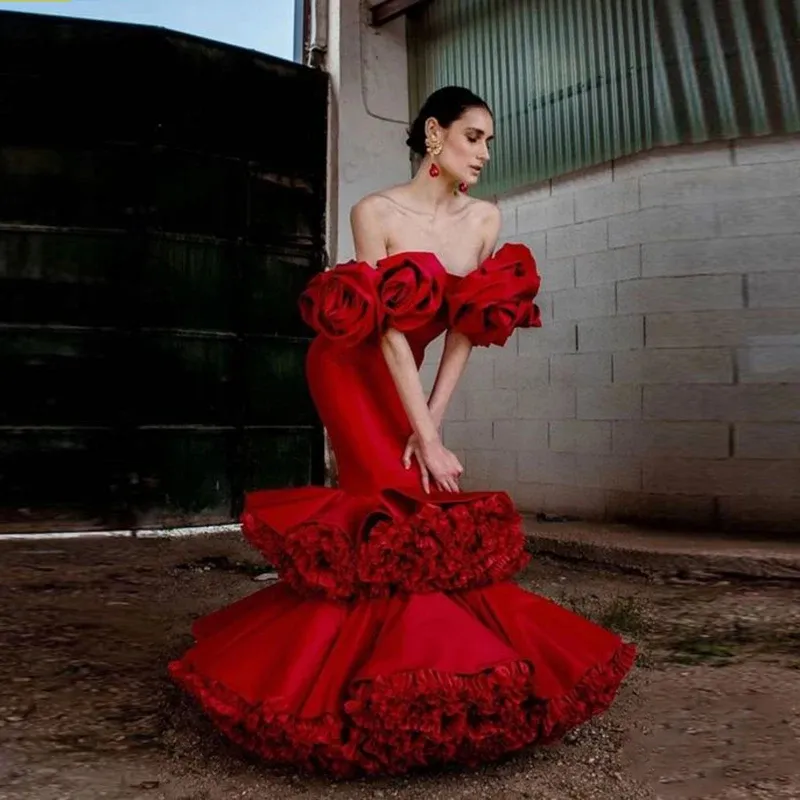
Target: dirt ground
87 710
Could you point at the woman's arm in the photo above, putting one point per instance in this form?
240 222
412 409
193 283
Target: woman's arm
370 246
457 347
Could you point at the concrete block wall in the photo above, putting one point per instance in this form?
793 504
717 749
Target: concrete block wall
665 384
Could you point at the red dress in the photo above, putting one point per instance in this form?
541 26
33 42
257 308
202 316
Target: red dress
396 638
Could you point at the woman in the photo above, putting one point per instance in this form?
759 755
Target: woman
396 638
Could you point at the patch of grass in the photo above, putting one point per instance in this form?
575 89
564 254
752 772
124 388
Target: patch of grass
622 614
703 650
724 647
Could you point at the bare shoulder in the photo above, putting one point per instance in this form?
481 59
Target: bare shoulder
487 219
370 209
485 213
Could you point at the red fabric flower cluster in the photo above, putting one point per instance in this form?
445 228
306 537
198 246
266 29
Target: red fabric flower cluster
340 303
352 302
497 297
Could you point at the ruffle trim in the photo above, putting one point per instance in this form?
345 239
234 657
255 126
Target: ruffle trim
402 722
491 302
353 303
437 549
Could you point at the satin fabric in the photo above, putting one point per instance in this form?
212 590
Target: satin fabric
396 638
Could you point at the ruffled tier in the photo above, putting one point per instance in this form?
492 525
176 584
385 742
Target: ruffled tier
343 546
389 685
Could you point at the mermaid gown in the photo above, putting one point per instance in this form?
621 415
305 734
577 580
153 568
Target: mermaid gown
396 638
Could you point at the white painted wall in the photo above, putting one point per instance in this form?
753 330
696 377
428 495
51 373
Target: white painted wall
369 76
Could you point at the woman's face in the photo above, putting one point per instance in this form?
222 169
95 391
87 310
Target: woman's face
465 145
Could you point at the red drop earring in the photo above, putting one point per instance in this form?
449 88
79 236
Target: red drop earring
433 171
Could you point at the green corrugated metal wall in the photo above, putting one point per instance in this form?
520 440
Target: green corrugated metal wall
578 82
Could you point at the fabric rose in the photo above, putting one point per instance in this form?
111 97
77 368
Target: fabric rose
410 289
496 298
516 264
342 303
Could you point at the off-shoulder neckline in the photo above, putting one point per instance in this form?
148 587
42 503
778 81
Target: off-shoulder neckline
431 253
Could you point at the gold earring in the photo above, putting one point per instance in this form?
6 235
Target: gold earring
433 145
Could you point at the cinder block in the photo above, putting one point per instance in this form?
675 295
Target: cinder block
468 434
725 403
557 337
759 217
543 215
770 364
433 352
764 440
619 264
517 435
774 290
508 216
683 439
692 365
529 194
763 513
574 501
581 369
557 273
490 468
457 407
611 333
752 327
720 256
673 159
608 472
621 197
583 179
728 477
720 185
528 497
580 436
696 293
585 237
585 302
536 243
523 372
764 149
492 404
427 375
686 510
610 402
546 467
479 374
547 402
662 225
544 300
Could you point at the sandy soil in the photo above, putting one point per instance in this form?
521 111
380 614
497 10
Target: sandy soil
87 711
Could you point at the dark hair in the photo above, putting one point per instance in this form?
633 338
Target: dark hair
445 105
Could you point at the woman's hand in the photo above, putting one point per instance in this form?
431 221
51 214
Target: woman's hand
435 461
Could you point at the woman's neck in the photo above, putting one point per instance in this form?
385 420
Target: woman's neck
432 193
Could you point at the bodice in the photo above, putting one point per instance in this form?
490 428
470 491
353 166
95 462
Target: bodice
353 303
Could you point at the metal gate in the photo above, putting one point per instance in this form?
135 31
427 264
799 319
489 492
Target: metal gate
162 203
